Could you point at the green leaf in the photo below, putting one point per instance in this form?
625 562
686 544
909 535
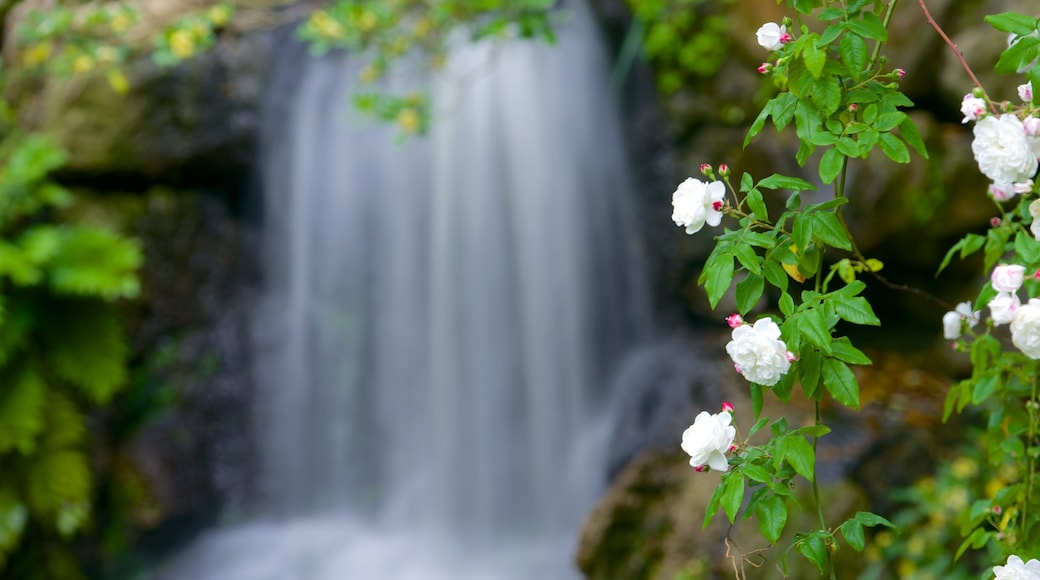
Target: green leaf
732 495
847 146
85 345
852 531
843 350
894 148
713 505
95 262
813 325
717 275
869 27
976 540
759 122
747 183
748 258
1018 24
841 383
814 549
855 310
807 124
13 518
984 388
757 205
967 245
871 520
783 111
777 181
854 53
771 512
826 94
830 165
22 398
775 274
1027 247
814 58
749 290
802 230
810 365
59 478
756 472
757 426
889 121
799 453
829 230
908 130
1019 54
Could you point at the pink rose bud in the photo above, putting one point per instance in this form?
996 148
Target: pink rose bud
1007 277
1036 275
1032 126
705 168
791 357
1023 186
996 509
716 205
727 406
765 67
994 221
731 449
853 108
901 73
701 468
785 38
724 170
734 320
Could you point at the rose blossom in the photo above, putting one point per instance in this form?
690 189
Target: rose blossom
1025 92
1002 151
771 36
1002 191
758 352
708 440
1007 277
1025 329
695 203
1016 569
954 321
1003 307
972 107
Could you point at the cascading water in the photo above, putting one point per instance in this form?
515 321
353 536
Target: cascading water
439 323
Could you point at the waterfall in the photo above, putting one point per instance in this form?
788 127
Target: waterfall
439 323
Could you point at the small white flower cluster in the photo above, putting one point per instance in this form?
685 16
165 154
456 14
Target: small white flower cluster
1004 308
1016 569
709 439
1005 146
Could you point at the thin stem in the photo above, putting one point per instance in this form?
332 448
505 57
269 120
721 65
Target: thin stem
877 45
1031 407
956 51
816 487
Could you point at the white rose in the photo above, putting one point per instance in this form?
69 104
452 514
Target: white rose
708 440
972 107
954 321
695 203
1007 277
1016 569
1002 150
758 352
1025 329
1002 309
771 36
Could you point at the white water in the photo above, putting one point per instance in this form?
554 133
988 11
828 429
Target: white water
439 325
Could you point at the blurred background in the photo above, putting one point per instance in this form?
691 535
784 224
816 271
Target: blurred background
389 290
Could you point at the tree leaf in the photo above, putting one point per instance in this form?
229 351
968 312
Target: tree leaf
894 148
843 350
749 290
831 164
777 181
829 230
771 512
841 383
799 453
826 94
1019 24
854 54
852 531
732 495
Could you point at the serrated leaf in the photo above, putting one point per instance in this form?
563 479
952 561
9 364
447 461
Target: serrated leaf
854 54
814 58
756 398
95 262
826 94
984 388
813 325
908 130
59 478
84 345
759 123
1027 247
829 230
717 275
855 310
775 274
841 383
783 110
869 27
799 454
872 520
771 512
894 148
777 181
843 350
830 165
747 257
22 399
801 231
810 369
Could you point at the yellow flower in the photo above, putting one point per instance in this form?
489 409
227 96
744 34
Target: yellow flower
182 43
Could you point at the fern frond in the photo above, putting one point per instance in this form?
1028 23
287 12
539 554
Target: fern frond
83 344
22 397
95 262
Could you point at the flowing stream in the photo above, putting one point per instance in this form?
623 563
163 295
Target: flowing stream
439 324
